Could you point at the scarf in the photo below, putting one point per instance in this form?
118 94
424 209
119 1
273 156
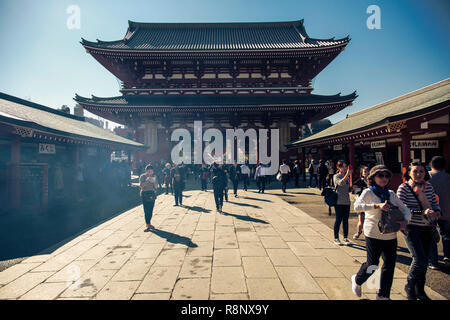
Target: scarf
382 193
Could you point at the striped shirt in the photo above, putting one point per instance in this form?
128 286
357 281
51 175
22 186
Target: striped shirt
407 197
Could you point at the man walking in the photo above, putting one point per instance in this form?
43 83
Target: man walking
284 170
245 174
235 172
260 178
441 184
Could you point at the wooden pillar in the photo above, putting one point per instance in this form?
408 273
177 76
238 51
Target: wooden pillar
322 153
406 150
14 173
76 163
304 163
351 159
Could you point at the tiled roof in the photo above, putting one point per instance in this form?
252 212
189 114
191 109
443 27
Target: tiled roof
22 112
216 100
410 104
216 36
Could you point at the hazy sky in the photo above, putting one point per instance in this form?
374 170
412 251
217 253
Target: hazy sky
42 59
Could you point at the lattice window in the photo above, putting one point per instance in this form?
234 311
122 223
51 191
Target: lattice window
23 132
396 126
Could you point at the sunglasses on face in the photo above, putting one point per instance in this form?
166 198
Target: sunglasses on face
384 175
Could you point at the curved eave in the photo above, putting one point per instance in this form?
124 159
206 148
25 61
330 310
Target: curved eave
372 126
88 45
68 135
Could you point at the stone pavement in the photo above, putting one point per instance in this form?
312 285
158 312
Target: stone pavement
260 248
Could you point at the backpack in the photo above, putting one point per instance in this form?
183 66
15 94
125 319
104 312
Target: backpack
330 196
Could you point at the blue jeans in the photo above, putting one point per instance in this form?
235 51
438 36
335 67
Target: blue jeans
418 241
148 210
444 227
342 214
376 248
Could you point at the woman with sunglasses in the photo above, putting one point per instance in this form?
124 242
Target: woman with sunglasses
419 196
373 201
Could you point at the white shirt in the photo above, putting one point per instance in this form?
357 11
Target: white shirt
366 202
245 169
284 168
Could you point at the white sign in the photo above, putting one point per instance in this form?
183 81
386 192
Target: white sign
378 144
379 157
424 144
47 148
337 147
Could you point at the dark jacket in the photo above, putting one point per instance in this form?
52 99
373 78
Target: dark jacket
234 173
219 178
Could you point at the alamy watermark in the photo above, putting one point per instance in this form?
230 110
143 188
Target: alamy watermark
374 20
214 150
74 20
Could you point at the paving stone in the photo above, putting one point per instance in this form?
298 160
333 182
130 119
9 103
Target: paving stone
338 257
152 296
302 249
273 242
290 236
173 257
252 249
96 253
203 249
258 267
114 260
205 227
355 251
298 279
89 284
228 280
318 242
15 271
23 284
196 267
308 296
159 279
113 290
37 258
337 288
229 296
227 257
203 236
45 291
191 289
283 257
225 241
306 231
247 236
72 272
265 230
320 267
266 289
147 251
134 269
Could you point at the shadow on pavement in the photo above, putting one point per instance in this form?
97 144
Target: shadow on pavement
245 204
250 198
23 234
196 208
245 218
174 238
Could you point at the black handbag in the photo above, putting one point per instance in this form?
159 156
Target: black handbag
390 220
148 196
330 196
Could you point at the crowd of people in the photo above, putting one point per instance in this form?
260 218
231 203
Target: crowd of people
422 201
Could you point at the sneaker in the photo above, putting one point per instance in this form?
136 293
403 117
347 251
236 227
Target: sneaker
356 235
337 242
382 298
446 259
433 267
356 288
346 242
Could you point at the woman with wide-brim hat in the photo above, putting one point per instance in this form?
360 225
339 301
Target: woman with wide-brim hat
373 201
